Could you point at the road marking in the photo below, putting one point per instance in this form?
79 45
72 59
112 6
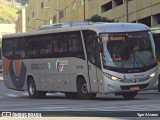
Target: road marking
12 95
155 107
26 94
53 108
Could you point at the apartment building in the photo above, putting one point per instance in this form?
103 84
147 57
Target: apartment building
40 12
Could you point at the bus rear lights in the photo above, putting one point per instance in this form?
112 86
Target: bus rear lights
153 75
111 77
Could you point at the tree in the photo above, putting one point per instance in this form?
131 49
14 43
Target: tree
97 18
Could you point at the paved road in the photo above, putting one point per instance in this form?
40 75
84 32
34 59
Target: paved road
11 100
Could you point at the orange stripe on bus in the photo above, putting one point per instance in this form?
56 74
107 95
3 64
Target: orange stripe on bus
6 66
18 67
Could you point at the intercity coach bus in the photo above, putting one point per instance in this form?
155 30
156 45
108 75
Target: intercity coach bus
156 35
81 60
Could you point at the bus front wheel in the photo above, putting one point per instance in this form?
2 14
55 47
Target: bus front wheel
129 95
33 93
83 91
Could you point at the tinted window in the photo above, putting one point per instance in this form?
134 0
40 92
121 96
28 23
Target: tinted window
7 48
75 45
19 48
91 42
68 44
45 46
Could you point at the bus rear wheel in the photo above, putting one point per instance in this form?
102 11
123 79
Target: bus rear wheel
83 91
129 95
33 93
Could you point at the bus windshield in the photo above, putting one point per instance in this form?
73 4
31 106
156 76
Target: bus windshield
128 50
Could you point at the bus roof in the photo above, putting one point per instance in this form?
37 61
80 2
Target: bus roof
98 27
120 27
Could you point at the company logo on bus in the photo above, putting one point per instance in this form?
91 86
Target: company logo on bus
17 71
60 64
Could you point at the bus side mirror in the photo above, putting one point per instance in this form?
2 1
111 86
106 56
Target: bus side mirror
100 47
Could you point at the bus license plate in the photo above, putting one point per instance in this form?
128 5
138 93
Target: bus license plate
134 88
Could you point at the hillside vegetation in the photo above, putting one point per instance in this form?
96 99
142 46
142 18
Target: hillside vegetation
8 12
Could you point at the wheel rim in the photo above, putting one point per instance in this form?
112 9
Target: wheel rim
31 89
84 88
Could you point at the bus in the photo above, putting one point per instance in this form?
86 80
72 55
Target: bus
156 35
81 59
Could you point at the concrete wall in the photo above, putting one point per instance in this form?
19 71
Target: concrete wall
138 10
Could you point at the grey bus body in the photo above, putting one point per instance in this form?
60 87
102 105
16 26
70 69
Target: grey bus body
82 71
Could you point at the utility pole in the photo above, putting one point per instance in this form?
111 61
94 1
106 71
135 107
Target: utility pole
127 11
127 18
84 10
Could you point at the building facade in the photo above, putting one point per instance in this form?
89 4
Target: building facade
6 29
40 12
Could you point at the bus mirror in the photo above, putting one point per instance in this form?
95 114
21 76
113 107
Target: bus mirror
96 36
100 47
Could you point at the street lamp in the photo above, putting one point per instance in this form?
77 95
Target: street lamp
84 10
127 19
59 11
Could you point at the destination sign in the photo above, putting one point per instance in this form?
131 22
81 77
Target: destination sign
107 38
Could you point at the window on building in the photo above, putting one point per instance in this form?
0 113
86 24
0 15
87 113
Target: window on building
61 14
54 19
106 7
67 11
74 6
117 2
42 5
156 19
28 19
32 14
146 21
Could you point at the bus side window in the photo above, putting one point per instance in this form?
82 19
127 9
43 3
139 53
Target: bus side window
75 45
45 46
90 43
19 48
7 49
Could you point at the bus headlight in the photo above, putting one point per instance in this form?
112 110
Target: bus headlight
111 77
114 78
152 75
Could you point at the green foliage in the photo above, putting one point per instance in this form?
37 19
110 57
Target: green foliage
97 18
19 12
8 14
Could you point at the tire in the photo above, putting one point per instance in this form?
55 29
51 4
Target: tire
71 95
33 93
159 83
83 90
129 95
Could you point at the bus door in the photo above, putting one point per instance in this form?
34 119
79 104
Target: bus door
90 45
